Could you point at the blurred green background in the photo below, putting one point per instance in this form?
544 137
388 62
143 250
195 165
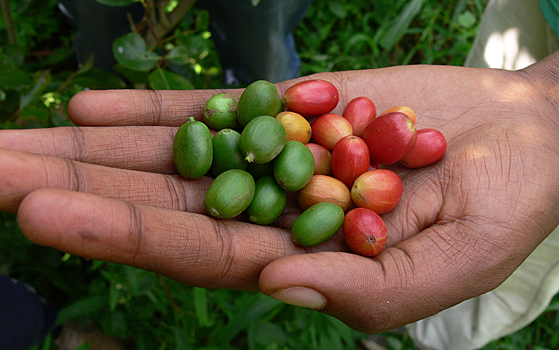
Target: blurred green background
38 76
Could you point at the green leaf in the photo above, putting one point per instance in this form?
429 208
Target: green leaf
82 307
39 114
117 2
267 333
201 306
458 9
161 79
33 95
114 297
255 2
467 19
99 79
178 55
181 339
58 56
59 119
358 39
342 330
15 53
134 76
325 30
12 77
47 343
257 309
329 339
394 343
86 67
203 21
22 5
131 51
553 306
133 278
337 9
401 24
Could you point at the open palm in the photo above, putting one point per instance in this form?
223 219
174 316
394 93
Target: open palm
108 190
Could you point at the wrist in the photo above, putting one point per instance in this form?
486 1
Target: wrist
544 77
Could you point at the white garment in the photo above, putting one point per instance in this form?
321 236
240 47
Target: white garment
512 35
510 307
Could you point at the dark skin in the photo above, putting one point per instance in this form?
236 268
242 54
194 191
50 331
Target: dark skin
108 191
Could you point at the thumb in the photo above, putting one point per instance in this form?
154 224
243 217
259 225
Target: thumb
400 285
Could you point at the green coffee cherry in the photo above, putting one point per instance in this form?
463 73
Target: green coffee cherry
192 149
317 224
259 98
268 203
226 152
229 194
262 139
294 166
220 111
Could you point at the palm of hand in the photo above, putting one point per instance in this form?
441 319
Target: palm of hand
462 226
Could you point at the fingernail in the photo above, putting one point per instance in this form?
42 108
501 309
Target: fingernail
300 296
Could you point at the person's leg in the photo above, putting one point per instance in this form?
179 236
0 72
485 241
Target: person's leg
513 34
97 26
25 318
255 42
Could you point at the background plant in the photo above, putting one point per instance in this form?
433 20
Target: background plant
38 76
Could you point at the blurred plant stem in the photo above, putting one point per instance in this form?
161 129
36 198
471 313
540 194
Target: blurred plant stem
10 28
167 21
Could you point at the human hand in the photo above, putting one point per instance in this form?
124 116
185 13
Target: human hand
462 226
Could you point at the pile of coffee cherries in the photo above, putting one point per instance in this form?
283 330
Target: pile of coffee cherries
342 183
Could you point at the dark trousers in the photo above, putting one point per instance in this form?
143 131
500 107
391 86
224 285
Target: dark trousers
25 318
253 42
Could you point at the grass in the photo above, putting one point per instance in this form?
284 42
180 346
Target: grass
348 35
151 312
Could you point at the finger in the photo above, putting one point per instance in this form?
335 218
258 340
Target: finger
139 107
165 191
387 87
136 148
190 248
146 107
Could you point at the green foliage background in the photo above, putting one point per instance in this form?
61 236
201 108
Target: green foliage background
39 75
